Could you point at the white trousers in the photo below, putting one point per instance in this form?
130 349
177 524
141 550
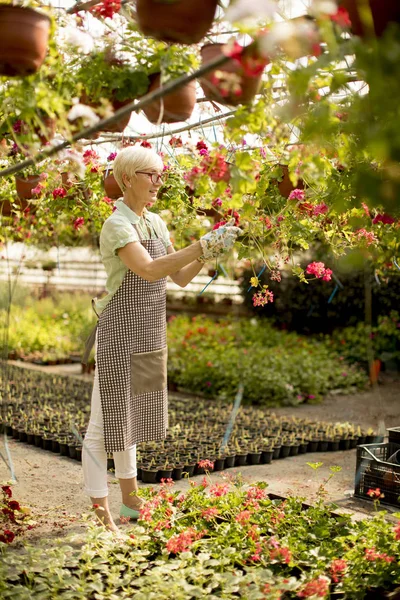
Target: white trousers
94 457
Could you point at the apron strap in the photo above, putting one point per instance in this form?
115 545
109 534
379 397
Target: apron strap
89 345
90 342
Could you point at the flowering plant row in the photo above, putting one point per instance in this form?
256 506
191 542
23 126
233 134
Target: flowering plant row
219 539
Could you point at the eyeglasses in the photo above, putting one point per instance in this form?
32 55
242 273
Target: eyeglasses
155 177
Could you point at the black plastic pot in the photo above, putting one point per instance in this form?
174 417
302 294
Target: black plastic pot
277 452
55 446
313 445
219 464
38 440
177 473
78 453
71 451
164 474
110 464
266 456
188 470
240 460
64 449
30 438
303 447
254 458
333 445
22 436
323 445
149 475
294 450
285 450
229 461
344 444
47 443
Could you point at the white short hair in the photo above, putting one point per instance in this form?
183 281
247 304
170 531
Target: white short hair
133 159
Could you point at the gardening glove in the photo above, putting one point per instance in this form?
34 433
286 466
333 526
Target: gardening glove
219 241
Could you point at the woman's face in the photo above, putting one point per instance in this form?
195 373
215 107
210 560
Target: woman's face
145 185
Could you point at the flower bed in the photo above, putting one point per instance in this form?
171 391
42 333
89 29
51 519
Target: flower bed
52 412
220 540
275 367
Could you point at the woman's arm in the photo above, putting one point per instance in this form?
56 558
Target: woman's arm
186 274
138 260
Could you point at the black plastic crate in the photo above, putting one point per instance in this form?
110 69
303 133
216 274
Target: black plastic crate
394 435
374 472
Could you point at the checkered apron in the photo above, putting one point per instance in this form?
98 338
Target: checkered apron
132 360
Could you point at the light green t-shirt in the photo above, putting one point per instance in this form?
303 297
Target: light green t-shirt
117 231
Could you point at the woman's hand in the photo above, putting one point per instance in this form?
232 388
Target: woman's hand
219 241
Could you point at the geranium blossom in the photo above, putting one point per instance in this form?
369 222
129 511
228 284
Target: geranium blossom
297 194
263 297
396 531
317 588
371 555
368 236
384 219
206 464
341 17
219 489
210 513
78 223
319 270
59 193
337 568
243 517
107 8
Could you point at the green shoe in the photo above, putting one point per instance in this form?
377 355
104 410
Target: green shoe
125 511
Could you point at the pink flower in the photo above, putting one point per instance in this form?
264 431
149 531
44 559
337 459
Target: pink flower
183 541
201 145
297 195
111 156
37 190
146 144
107 8
59 193
263 297
108 200
341 17
368 236
175 142
89 155
365 208
217 202
210 513
219 489
256 493
319 270
375 493
243 517
78 223
396 531
320 209
371 555
316 587
337 568
206 464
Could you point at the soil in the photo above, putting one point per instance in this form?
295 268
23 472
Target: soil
52 485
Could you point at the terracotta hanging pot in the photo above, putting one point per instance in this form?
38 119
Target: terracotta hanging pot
25 185
111 186
183 21
120 125
228 84
174 107
49 129
285 186
383 13
24 35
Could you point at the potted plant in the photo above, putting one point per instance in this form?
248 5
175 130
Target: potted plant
383 13
107 80
183 21
24 36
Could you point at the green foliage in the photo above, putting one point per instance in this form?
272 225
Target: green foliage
274 366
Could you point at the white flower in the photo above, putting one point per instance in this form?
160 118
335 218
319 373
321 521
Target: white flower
84 112
253 9
294 38
77 38
323 7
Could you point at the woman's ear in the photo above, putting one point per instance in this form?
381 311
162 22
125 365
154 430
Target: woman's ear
126 179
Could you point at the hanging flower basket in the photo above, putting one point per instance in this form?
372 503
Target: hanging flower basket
229 83
286 186
183 21
24 35
111 186
25 185
120 125
174 107
383 13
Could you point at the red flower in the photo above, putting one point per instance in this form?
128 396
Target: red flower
7 536
219 224
14 505
175 142
384 219
78 223
201 145
396 532
146 144
337 568
7 490
233 213
59 193
376 493
107 8
341 17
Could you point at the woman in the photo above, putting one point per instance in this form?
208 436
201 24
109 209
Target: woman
129 400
